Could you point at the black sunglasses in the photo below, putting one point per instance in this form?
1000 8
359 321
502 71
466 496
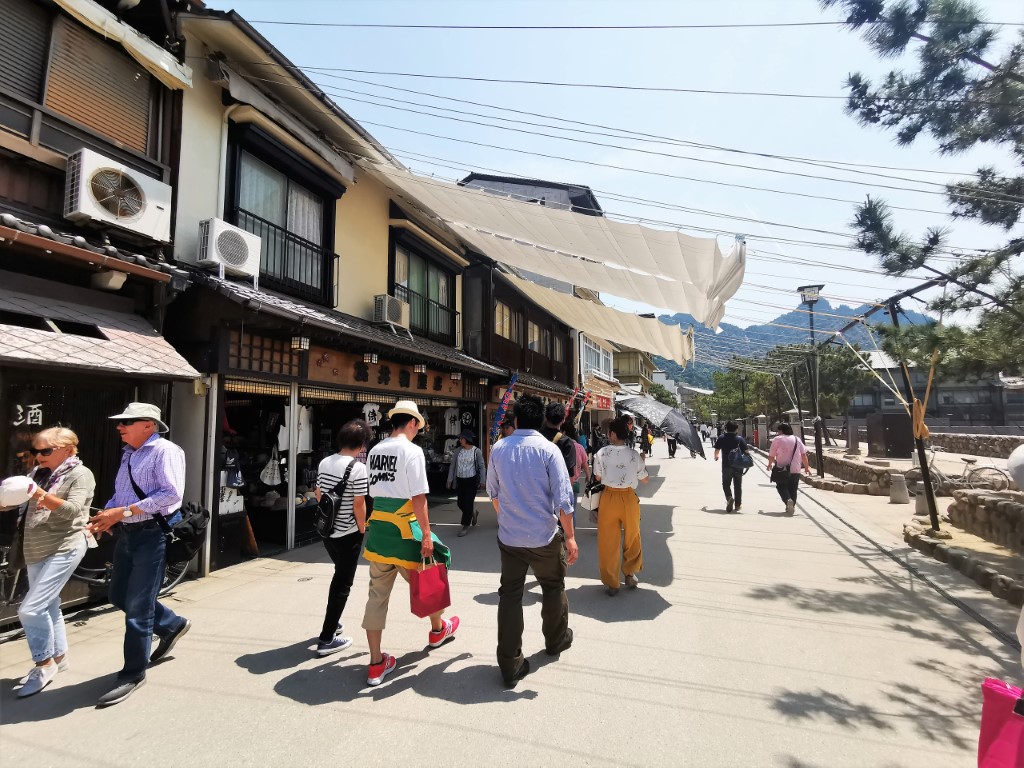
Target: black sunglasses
41 451
127 422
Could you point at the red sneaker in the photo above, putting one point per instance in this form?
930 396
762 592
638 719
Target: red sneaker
443 635
379 671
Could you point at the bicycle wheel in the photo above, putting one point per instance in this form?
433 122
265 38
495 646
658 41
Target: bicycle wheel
988 479
173 574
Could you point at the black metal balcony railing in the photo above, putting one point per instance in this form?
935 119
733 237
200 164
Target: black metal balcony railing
289 263
430 318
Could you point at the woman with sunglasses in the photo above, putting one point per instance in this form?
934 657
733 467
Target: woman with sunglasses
55 543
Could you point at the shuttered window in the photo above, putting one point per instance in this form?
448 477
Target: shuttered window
23 35
99 86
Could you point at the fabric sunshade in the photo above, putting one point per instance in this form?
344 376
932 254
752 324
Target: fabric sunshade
644 333
660 268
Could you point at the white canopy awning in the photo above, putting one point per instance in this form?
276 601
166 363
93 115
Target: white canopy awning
660 268
643 333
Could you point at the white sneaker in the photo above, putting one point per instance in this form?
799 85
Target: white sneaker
62 666
38 679
790 507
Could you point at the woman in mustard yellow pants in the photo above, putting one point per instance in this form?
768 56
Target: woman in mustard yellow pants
620 469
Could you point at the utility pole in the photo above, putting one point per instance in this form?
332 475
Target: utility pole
799 406
778 396
809 295
926 475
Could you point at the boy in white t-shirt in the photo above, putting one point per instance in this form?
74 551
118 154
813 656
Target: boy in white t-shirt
399 536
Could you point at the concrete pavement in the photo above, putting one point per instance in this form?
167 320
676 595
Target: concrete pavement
754 640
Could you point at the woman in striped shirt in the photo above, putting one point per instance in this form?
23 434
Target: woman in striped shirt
55 543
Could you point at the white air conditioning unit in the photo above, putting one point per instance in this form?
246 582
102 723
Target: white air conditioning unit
391 311
225 246
103 191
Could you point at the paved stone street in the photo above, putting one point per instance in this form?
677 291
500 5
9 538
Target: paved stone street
754 640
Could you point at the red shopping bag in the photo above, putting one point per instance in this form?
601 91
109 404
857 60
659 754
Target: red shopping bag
428 589
1001 741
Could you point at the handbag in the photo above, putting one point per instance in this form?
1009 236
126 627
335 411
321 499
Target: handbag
271 474
781 474
1001 739
186 536
429 592
326 515
591 498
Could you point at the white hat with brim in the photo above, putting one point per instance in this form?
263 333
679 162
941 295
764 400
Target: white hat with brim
142 412
410 408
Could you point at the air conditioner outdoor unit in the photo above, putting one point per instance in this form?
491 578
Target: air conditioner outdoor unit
227 247
391 311
103 191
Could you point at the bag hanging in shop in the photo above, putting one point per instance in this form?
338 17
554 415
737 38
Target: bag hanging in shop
271 474
428 589
326 516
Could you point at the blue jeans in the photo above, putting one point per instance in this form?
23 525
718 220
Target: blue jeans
40 612
138 572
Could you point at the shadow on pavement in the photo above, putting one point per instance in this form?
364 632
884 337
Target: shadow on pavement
54 702
629 605
286 657
476 684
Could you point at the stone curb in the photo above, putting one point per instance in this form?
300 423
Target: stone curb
931 543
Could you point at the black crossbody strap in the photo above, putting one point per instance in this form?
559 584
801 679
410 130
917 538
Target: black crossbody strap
160 519
339 489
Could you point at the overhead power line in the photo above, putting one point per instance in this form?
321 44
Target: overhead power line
595 27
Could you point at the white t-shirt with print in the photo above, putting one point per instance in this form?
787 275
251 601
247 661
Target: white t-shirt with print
619 466
329 474
397 468
371 412
452 426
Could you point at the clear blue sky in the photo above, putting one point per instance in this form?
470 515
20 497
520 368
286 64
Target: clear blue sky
812 60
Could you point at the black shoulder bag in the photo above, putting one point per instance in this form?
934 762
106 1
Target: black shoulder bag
326 517
780 474
186 536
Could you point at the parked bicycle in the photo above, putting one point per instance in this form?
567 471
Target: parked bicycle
970 477
14 581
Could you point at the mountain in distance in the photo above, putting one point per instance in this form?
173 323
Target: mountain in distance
751 341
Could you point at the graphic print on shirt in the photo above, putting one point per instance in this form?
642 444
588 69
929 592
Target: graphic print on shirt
371 412
452 426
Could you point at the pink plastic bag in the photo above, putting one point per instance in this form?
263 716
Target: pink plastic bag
1001 741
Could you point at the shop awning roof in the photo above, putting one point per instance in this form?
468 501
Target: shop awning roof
346 325
37 328
542 384
643 333
660 268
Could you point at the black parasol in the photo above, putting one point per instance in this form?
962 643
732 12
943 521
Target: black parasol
666 418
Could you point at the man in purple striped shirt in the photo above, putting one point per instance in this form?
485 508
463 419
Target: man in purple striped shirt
150 482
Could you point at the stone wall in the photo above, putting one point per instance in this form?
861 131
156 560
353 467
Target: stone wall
993 446
995 517
856 474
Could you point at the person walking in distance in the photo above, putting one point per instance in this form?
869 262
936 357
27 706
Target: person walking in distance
465 474
399 538
670 438
530 489
346 541
620 469
554 416
149 482
732 476
788 451
54 544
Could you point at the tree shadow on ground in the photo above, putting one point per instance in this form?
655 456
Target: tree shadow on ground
476 684
824 705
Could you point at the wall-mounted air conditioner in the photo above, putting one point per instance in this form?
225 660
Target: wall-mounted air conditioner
226 247
390 311
103 191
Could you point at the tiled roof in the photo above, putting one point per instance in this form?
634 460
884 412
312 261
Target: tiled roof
131 346
339 322
548 385
99 253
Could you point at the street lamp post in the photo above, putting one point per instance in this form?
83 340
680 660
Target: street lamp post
809 295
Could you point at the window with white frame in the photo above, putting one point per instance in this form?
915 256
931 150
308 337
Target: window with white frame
596 358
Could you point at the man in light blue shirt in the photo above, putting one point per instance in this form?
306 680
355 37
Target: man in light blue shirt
532 494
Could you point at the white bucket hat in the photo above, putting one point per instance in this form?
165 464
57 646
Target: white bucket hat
410 408
142 411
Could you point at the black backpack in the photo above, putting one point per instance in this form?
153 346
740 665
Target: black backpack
327 508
